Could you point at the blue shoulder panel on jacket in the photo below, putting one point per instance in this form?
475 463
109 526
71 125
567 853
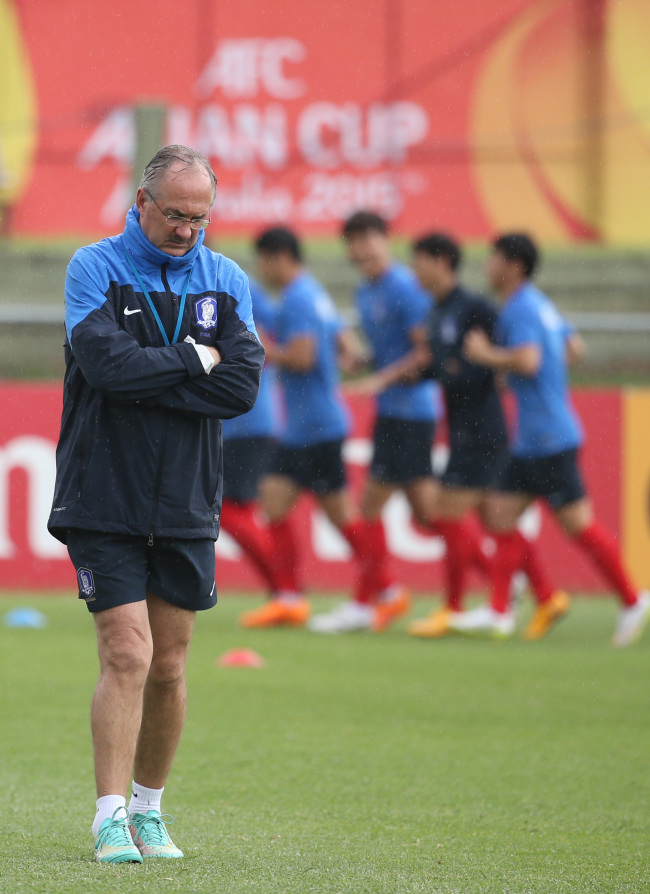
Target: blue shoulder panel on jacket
86 283
232 279
93 267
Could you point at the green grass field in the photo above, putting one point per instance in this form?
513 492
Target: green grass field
359 764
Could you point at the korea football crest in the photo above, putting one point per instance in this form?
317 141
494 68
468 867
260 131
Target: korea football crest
205 313
86 584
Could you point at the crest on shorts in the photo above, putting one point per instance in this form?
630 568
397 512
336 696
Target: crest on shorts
205 311
86 583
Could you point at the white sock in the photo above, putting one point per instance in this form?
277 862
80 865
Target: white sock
106 807
145 799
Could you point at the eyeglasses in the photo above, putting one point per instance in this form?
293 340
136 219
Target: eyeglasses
196 223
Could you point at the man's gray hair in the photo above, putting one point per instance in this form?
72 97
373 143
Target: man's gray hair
165 158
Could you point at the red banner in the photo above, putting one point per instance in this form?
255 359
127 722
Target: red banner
31 559
468 117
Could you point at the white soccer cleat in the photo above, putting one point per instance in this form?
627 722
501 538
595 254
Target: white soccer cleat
484 620
345 618
631 621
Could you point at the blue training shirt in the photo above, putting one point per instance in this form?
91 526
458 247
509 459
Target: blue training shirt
389 308
263 421
314 408
547 422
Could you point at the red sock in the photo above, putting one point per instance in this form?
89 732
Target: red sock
241 521
456 562
463 538
284 555
475 535
540 583
603 550
509 557
368 541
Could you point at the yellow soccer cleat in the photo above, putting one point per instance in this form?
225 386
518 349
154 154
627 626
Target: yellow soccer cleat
434 625
547 614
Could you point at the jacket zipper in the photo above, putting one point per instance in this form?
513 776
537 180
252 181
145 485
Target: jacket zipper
156 491
168 291
82 458
159 470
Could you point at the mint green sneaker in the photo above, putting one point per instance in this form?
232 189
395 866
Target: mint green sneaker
150 834
114 843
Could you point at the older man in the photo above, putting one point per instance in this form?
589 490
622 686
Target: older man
160 348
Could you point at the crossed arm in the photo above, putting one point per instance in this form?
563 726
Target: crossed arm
113 362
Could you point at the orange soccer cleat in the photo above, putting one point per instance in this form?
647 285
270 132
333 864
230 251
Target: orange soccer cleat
278 612
547 614
395 602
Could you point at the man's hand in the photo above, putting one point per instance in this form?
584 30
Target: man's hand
368 386
524 360
216 356
477 347
575 349
206 354
351 356
298 355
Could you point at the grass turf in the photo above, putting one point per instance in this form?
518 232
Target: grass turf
349 764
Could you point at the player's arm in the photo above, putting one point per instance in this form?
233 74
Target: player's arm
298 355
265 314
457 371
266 338
576 348
406 370
351 355
522 360
574 345
110 359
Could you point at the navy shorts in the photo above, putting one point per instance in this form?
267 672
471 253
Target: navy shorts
318 468
402 450
245 461
475 464
117 569
555 478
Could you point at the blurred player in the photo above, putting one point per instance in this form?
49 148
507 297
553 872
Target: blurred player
309 335
533 344
248 444
392 309
477 434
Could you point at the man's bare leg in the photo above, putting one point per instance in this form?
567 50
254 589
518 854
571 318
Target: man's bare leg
125 650
165 693
375 496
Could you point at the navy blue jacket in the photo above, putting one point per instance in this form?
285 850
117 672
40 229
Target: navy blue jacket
474 408
140 446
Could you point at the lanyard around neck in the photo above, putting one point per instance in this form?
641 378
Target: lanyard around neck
151 304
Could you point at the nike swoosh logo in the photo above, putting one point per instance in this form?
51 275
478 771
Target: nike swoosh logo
127 312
